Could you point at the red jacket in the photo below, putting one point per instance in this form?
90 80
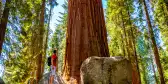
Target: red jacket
54 59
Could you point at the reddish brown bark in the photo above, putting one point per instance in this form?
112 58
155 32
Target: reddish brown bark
135 77
135 57
154 46
40 41
86 35
3 24
130 45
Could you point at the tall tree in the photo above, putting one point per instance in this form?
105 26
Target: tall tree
133 39
154 45
86 35
40 56
119 21
3 23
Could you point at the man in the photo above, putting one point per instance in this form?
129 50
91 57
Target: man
53 66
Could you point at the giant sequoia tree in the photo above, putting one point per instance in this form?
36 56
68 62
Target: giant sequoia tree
86 35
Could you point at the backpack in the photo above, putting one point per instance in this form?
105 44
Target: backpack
49 61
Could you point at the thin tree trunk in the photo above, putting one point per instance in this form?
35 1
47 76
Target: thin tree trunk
134 46
3 24
144 71
46 39
40 46
125 36
123 45
135 57
155 49
135 76
33 54
86 35
153 67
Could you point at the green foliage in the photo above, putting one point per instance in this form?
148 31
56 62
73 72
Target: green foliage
114 29
161 16
164 61
119 25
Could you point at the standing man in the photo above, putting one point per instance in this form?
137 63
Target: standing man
53 66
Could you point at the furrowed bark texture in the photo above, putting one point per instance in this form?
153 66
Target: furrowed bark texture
86 35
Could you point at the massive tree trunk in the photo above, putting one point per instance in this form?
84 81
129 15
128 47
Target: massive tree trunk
3 23
86 35
155 49
40 56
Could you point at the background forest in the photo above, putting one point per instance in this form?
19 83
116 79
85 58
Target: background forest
136 29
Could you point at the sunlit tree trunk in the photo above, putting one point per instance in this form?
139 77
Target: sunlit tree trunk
153 68
152 62
3 23
143 70
125 36
46 37
40 56
155 49
135 57
86 35
129 47
123 44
